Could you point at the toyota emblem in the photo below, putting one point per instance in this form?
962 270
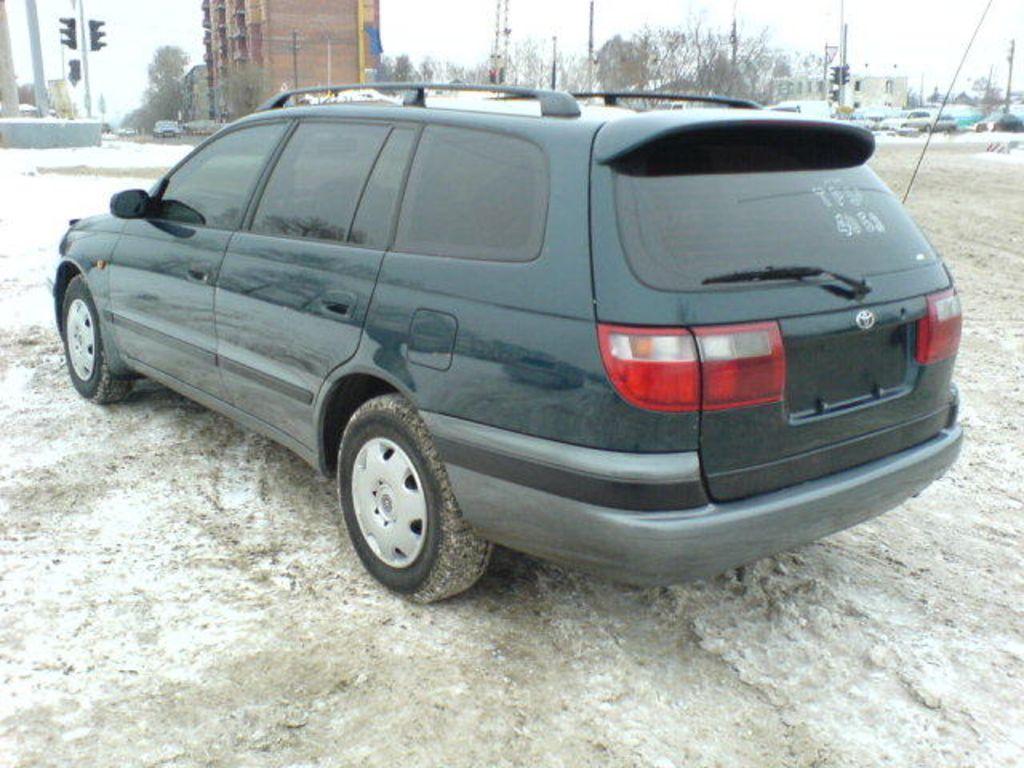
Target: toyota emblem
865 319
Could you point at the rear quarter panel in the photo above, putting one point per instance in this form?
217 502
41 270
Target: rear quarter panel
525 355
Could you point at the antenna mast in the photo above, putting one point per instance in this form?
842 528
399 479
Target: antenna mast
502 34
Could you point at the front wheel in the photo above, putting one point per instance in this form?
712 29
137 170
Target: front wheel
399 507
83 348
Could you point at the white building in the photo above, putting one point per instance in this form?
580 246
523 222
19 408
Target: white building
873 91
862 91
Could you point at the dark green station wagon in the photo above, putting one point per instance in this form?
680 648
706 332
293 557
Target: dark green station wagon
651 344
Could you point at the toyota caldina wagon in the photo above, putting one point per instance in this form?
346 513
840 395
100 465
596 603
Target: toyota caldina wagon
653 345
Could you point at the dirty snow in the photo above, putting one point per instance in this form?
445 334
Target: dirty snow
174 591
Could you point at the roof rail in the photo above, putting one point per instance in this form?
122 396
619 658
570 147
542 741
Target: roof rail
612 98
552 103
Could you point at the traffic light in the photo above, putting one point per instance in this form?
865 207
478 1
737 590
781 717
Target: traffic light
840 75
69 33
74 71
96 35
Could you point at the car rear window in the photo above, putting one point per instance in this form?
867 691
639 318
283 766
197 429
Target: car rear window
474 195
679 227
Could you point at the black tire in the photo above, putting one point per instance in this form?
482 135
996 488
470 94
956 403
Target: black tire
98 384
452 557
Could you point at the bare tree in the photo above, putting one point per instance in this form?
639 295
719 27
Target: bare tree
398 70
164 98
696 58
245 87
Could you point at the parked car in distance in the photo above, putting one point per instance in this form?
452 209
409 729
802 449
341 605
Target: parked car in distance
1000 121
653 346
872 117
915 121
166 129
201 127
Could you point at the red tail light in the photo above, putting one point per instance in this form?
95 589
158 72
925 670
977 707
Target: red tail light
938 332
710 368
653 368
742 365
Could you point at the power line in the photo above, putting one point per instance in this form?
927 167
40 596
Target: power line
938 114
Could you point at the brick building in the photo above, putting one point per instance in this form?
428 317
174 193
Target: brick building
293 43
197 94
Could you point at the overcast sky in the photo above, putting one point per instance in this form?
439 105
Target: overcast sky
910 37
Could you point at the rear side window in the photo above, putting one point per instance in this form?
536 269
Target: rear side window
212 188
475 195
694 213
318 180
372 226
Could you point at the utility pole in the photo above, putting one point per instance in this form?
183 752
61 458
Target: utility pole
734 38
590 50
554 62
824 76
8 84
329 78
295 59
1009 76
84 45
844 72
360 41
39 75
842 51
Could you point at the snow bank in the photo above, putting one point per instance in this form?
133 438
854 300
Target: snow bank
112 154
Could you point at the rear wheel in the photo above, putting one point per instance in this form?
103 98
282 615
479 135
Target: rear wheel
83 348
399 508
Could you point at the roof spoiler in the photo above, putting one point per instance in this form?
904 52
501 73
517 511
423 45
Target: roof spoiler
836 144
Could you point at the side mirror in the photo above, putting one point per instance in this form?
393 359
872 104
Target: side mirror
130 204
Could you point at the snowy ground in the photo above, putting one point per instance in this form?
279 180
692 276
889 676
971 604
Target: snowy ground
174 592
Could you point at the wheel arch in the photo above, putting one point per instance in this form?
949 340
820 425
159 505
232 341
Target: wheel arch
342 399
66 272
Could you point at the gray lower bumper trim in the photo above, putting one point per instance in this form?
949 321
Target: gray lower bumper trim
635 481
673 546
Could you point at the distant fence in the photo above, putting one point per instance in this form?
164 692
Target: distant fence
35 133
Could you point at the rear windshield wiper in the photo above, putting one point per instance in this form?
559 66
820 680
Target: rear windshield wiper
856 289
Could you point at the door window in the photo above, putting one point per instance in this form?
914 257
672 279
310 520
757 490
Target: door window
318 181
373 222
213 187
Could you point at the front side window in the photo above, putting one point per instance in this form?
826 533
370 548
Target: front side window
475 195
213 187
318 181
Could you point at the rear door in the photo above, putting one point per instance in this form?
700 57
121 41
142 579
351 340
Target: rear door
710 202
165 266
295 286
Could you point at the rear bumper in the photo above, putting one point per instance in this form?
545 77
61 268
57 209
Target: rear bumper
664 547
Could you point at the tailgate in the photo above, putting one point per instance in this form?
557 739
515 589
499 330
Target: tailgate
708 199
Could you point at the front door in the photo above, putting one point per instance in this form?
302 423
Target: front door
165 266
